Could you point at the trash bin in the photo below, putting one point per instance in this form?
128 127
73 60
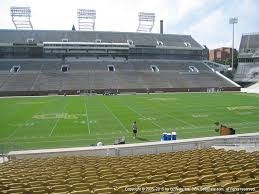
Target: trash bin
169 136
173 135
164 137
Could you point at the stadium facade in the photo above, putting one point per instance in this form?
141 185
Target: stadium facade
248 65
39 62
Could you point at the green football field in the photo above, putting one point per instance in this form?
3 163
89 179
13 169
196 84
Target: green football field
68 121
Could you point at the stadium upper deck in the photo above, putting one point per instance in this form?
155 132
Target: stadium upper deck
249 43
139 39
56 43
248 66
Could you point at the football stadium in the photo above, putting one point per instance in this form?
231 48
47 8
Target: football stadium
102 112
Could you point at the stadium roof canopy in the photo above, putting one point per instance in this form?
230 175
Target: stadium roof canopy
134 38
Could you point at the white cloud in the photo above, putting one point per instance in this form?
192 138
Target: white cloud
215 31
184 7
213 27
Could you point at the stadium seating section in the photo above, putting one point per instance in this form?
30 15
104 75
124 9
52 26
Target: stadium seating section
46 74
249 41
208 168
248 51
247 72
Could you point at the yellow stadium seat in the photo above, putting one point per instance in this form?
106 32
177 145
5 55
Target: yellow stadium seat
173 176
127 175
110 177
231 186
242 175
59 188
256 192
219 170
187 192
72 181
189 174
205 167
170 183
107 190
225 177
16 185
208 180
138 180
41 189
206 171
54 182
99 184
80 186
189 182
191 168
17 191
250 166
156 178
237 167
255 173
252 183
119 182
87 191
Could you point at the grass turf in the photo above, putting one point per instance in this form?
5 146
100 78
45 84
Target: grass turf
68 121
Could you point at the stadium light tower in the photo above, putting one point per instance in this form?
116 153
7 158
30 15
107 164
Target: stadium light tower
21 17
146 22
233 21
86 19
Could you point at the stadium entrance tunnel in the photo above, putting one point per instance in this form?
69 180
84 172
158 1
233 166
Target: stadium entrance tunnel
193 69
64 68
15 68
154 68
111 68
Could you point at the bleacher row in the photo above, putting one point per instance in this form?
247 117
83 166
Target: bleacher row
54 65
248 51
39 76
204 168
247 72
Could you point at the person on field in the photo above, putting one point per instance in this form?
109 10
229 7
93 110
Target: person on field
134 129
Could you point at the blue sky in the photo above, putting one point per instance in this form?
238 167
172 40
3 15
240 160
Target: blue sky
206 20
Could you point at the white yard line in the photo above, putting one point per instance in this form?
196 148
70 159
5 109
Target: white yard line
13 133
180 120
104 134
87 116
116 118
27 121
55 125
141 115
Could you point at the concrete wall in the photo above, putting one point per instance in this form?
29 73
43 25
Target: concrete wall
143 148
101 91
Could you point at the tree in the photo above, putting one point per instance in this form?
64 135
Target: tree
73 28
228 61
235 58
